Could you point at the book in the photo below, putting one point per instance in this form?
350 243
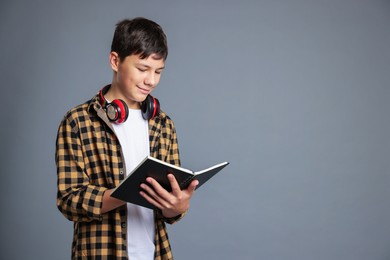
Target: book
128 190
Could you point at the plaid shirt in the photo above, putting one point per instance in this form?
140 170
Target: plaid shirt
89 161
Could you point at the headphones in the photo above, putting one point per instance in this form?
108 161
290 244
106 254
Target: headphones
118 112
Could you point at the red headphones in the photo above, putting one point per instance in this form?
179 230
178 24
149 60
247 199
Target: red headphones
118 112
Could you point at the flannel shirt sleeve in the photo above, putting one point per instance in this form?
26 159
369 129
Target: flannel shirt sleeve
76 198
172 220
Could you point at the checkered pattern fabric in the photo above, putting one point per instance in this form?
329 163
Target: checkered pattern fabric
89 161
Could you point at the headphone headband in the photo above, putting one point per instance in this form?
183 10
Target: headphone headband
102 92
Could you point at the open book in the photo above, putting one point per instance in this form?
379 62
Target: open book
128 190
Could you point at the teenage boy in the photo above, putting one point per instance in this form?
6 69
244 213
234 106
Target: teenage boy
101 140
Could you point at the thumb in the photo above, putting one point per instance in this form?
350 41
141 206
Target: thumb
191 188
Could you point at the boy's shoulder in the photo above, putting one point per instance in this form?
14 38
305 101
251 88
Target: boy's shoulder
83 109
163 117
77 111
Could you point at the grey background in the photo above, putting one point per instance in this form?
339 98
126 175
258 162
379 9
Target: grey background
295 94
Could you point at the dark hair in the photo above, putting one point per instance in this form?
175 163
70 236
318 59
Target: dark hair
139 36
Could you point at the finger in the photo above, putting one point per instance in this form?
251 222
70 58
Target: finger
158 193
191 188
150 192
153 195
174 184
151 200
158 188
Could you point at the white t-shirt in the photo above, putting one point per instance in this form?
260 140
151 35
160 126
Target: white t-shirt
133 136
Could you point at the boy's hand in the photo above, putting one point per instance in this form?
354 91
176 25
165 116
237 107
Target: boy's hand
171 203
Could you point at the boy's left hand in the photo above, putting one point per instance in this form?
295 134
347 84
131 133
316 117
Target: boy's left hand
171 203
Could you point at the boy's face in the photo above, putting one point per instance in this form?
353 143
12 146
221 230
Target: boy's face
135 78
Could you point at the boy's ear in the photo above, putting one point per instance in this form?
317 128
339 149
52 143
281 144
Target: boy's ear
114 61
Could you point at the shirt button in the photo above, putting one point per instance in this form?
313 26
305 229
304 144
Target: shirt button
121 172
124 224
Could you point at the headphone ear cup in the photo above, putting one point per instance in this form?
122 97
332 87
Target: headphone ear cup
150 107
121 111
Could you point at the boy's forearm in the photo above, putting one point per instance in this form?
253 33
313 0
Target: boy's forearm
109 203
